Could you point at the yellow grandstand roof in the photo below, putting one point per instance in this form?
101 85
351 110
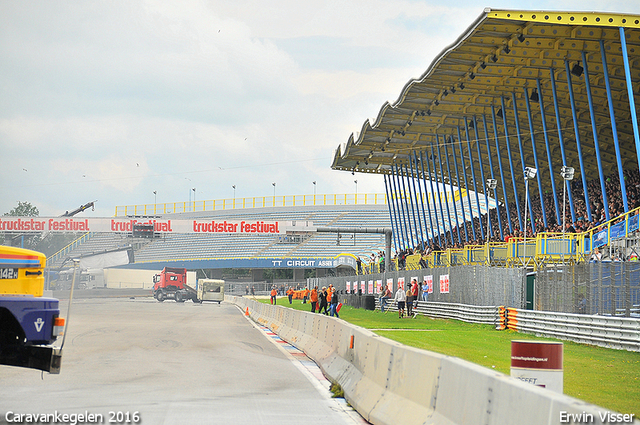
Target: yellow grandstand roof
496 61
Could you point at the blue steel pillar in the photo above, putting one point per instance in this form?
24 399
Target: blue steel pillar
561 141
495 191
614 128
405 236
546 141
391 214
424 216
535 156
444 226
433 196
415 198
504 187
427 195
464 216
466 186
446 200
576 132
513 175
594 129
453 193
530 202
632 103
484 182
473 173
406 201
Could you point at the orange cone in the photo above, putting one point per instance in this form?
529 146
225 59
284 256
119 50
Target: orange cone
246 313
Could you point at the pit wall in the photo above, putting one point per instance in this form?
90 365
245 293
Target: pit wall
390 383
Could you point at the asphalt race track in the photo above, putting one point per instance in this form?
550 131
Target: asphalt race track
138 360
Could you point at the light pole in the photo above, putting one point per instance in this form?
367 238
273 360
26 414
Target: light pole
274 193
567 175
234 195
194 198
314 190
155 200
356 182
529 173
491 185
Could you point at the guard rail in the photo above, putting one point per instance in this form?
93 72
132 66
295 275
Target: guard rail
610 332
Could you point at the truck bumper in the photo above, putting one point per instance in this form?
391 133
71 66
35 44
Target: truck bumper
46 358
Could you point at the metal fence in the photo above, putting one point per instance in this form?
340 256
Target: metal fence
473 285
603 288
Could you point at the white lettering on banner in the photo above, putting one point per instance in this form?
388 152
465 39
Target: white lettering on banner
301 263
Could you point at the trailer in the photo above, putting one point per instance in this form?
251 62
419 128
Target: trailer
210 290
29 322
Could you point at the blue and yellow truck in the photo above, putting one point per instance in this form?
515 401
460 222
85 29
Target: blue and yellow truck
29 322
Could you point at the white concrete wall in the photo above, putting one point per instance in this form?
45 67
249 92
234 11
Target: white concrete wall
389 383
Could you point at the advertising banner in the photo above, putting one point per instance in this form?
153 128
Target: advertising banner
444 284
125 225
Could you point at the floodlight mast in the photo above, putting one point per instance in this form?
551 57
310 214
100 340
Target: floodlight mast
491 185
567 174
529 173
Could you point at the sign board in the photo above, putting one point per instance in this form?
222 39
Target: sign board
538 362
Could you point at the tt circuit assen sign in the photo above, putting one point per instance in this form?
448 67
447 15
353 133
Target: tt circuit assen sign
66 224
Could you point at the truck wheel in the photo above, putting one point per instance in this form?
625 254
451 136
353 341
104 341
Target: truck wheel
179 298
197 301
160 296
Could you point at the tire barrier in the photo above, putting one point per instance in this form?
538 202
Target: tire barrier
390 383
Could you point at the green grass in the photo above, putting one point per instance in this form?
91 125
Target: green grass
601 376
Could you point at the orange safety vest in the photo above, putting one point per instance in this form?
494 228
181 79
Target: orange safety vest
314 296
273 292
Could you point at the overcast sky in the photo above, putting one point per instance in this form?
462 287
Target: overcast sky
113 100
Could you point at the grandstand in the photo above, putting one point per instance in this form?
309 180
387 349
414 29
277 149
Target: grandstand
211 251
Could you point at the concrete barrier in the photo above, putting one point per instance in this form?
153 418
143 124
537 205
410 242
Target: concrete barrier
390 383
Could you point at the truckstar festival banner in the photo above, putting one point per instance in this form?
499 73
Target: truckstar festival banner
123 225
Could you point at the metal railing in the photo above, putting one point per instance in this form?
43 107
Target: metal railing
73 245
611 332
255 202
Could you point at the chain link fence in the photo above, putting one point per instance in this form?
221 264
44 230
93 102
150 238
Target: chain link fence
604 288
474 285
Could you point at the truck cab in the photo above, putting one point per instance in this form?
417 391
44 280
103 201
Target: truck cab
29 322
171 283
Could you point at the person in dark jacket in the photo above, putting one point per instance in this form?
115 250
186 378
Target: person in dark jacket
334 303
323 301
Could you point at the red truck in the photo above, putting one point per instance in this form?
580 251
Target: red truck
171 283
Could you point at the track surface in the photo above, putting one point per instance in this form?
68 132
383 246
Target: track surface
173 364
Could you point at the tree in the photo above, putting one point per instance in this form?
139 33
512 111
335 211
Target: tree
24 209
31 241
